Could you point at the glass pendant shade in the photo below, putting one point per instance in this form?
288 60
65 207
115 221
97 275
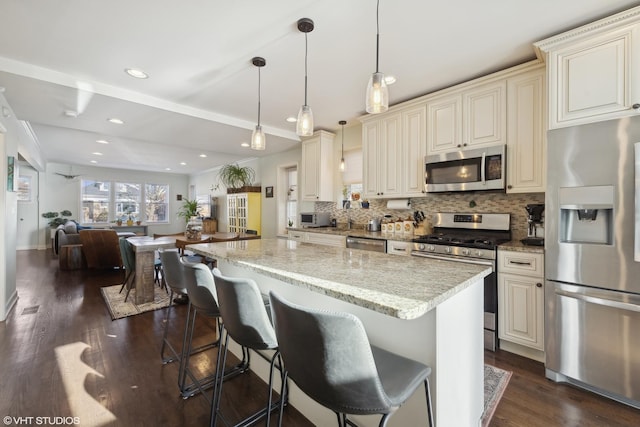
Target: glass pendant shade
342 164
258 140
304 126
377 94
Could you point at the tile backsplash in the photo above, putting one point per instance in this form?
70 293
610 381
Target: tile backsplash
474 202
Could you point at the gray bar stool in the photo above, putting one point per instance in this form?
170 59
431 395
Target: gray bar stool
174 278
328 355
246 320
202 300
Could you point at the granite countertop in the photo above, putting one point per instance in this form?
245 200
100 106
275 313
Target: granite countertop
355 232
405 290
518 246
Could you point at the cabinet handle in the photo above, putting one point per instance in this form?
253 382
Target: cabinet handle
636 106
539 284
519 262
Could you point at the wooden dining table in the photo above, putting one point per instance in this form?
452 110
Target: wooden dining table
182 242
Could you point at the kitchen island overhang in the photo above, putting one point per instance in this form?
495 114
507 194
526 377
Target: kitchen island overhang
428 310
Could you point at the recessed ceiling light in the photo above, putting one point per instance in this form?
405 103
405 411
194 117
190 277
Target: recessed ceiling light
292 119
94 161
97 153
183 163
389 79
245 144
71 113
138 74
115 121
102 141
203 155
167 169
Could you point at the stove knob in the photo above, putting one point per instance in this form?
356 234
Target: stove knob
466 252
447 250
421 247
431 248
479 253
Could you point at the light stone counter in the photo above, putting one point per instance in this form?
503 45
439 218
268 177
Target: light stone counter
356 232
406 288
518 246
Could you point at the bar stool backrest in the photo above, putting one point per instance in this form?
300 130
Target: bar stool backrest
328 355
201 289
174 271
243 312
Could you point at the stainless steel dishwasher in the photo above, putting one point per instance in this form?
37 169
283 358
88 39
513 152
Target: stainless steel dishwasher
375 245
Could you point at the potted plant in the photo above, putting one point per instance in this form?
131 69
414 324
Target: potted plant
238 179
189 208
56 219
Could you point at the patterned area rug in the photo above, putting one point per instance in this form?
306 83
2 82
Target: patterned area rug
495 382
118 308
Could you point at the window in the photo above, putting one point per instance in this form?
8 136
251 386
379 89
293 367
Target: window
24 188
104 201
157 202
292 196
127 198
95 196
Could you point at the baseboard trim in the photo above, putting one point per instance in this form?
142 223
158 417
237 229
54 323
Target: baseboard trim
11 303
521 350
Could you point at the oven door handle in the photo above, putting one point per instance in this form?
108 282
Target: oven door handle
488 263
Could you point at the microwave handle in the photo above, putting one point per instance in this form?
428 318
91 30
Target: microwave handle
482 169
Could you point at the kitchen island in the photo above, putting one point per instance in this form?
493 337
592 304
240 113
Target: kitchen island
427 310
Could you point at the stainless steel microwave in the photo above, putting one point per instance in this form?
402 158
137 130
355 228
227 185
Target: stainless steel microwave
466 170
315 219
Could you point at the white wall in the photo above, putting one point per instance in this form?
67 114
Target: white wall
58 193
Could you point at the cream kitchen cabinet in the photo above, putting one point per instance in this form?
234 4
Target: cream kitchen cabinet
521 302
394 146
382 156
594 71
317 167
526 136
471 117
318 238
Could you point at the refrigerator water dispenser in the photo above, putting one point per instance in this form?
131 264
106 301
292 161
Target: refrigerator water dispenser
586 215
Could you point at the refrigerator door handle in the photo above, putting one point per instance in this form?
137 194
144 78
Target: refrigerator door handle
636 240
599 300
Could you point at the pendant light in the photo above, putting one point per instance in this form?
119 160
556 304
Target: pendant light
377 92
342 123
304 126
258 141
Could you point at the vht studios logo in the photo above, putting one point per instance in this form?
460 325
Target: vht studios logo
41 421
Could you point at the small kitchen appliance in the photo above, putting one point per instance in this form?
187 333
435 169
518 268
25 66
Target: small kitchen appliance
373 224
535 233
315 219
472 238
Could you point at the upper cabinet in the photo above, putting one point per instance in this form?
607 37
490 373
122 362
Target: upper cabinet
594 71
526 136
471 117
317 168
394 146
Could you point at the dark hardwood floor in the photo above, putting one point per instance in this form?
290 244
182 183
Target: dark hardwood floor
61 355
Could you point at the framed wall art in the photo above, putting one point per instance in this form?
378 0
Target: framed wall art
268 191
12 174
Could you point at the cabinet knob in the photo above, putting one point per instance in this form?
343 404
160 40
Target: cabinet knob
459 145
636 106
465 144
539 284
509 186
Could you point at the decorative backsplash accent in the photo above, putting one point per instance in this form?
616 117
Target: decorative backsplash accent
474 202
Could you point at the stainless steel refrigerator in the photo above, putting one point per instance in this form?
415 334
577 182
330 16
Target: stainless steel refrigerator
592 258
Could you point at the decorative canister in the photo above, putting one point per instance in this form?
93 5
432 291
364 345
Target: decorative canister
383 227
398 225
194 229
408 228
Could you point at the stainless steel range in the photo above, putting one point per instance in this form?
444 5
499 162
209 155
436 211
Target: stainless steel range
471 238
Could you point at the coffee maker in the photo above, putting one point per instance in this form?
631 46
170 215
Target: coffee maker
535 230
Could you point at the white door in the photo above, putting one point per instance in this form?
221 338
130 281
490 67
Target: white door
28 220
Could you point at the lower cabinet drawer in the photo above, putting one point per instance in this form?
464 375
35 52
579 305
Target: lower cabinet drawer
523 263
